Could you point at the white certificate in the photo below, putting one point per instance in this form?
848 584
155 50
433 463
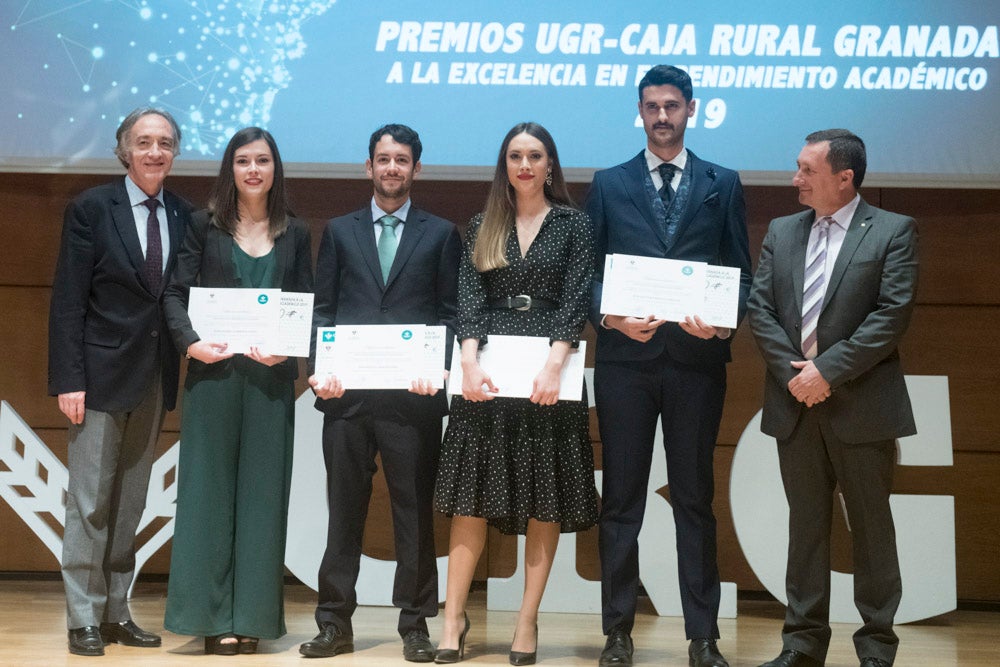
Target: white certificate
670 289
381 356
236 316
513 363
722 296
279 323
295 310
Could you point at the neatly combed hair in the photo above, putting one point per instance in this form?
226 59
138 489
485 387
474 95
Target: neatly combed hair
401 134
499 213
667 75
847 151
223 202
122 134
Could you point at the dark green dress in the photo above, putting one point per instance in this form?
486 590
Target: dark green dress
234 470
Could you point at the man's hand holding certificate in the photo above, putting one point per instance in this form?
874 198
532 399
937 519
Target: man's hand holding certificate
671 290
379 356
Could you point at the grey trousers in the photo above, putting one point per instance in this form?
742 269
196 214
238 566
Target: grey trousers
110 457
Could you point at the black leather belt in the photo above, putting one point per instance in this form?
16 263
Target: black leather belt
524 302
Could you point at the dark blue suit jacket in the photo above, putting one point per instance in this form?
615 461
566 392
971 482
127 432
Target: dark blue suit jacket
712 229
422 289
106 328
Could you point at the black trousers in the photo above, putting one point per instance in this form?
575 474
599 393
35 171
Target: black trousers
409 451
687 400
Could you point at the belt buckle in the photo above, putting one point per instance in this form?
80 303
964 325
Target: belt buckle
527 300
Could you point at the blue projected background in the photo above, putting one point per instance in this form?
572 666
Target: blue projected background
917 80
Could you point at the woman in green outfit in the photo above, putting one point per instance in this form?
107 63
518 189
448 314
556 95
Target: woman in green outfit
227 564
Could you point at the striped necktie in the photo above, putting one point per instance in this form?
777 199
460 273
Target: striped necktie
815 287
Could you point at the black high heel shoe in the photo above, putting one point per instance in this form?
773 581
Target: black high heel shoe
522 657
447 656
248 645
215 646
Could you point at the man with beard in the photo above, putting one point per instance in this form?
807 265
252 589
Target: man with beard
665 202
387 263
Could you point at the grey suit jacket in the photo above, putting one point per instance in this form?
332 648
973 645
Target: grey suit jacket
865 313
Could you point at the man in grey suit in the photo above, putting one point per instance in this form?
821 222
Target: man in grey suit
831 300
386 263
114 370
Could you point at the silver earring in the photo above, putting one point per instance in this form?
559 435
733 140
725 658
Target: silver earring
548 178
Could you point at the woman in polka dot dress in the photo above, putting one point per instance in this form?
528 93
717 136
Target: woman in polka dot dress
523 465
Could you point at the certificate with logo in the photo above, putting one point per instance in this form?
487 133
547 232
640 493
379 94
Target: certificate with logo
295 311
670 289
513 363
277 322
381 356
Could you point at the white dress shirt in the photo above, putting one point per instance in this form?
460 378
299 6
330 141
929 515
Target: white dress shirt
140 213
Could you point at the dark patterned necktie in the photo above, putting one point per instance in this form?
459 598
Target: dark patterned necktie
153 266
666 192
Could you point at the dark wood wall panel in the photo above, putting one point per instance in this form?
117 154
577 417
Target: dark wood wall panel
956 319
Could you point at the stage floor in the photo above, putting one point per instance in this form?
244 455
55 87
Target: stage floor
32 633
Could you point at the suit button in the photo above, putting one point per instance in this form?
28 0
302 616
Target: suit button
384 309
154 334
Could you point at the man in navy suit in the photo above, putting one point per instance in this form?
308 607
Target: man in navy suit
665 202
360 281
114 369
833 296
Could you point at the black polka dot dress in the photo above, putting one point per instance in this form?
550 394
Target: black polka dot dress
508 460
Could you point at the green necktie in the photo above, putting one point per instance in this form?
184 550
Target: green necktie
387 243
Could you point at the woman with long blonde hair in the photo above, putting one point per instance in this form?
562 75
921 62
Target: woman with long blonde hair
524 465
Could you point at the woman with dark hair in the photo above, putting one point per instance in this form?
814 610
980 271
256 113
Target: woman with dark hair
227 563
523 465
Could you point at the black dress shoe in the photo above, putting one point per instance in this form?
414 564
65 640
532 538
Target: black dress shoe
417 647
704 653
874 662
792 658
86 641
330 641
617 650
128 633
